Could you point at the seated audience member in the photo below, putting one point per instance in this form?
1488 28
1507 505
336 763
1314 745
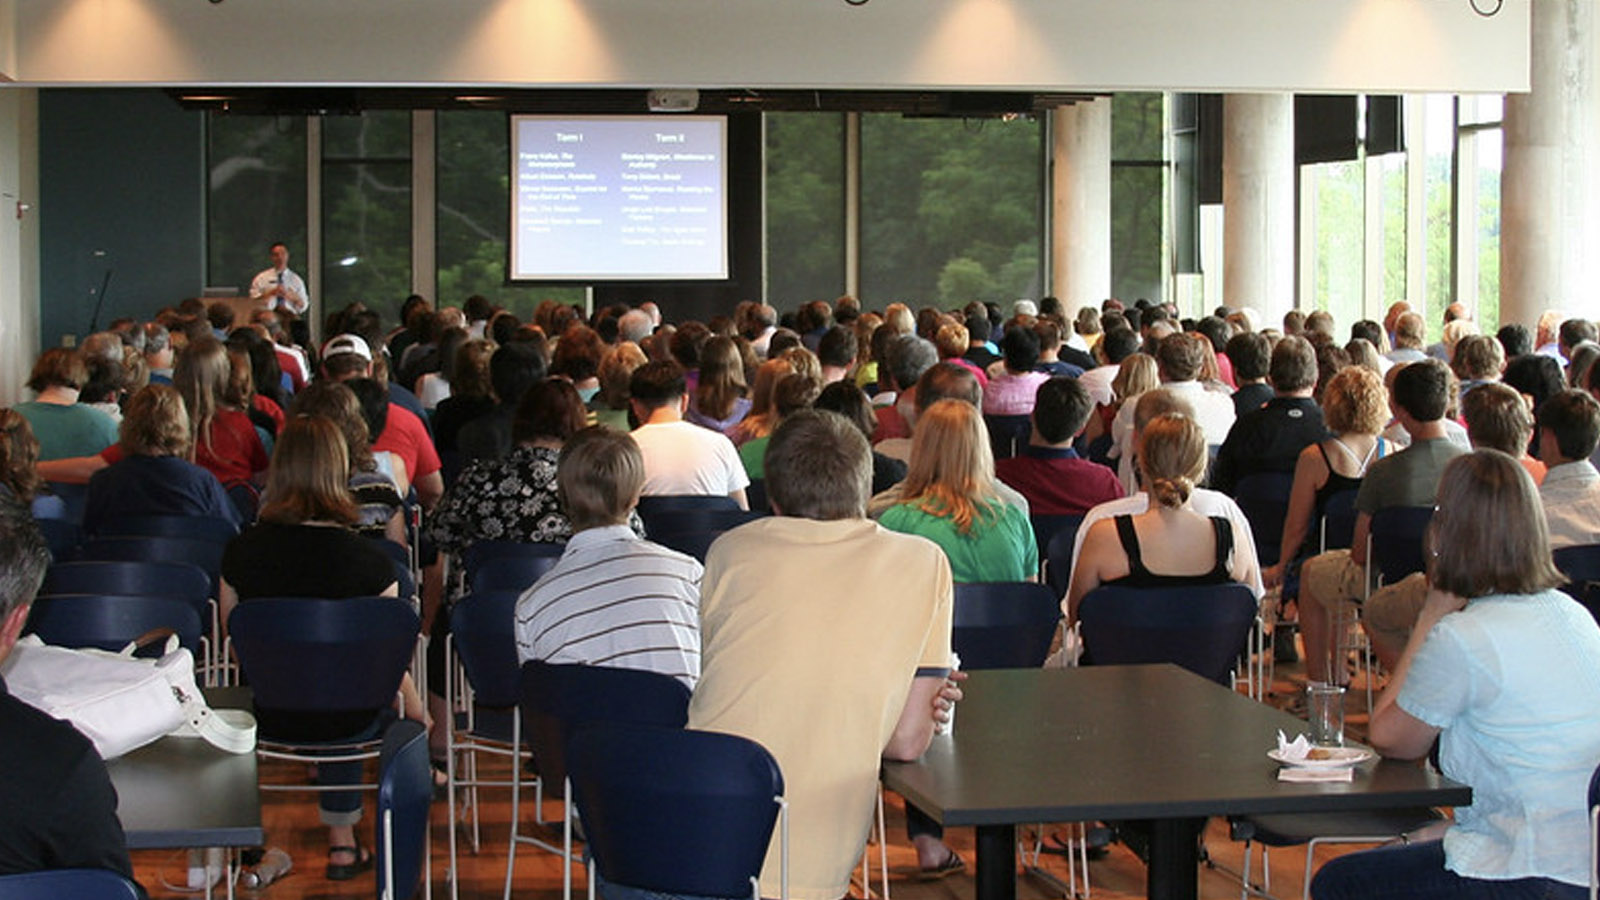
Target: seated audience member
1356 408
1056 481
1408 331
1216 333
1574 333
1014 380
577 358
1478 360
763 415
434 387
790 395
952 343
719 401
949 496
680 458
837 353
20 481
1536 377
348 359
1178 361
1499 419
1135 375
158 353
64 427
1569 430
471 395
1332 580
378 494
1514 340
1270 439
1251 354
1209 503
305 516
154 476
614 598
1546 336
849 401
610 405
909 356
1497 672
515 498
949 379
980 352
1119 343
58 809
782 594
1170 543
1048 331
225 440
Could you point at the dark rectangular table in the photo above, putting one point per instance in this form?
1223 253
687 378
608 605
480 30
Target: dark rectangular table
1152 743
183 792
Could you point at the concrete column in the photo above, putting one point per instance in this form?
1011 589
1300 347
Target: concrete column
1258 230
1080 251
19 240
1549 210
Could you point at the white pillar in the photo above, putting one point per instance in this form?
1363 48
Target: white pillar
19 240
1549 211
1258 232
1080 251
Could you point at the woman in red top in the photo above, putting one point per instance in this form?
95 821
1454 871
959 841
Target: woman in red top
225 441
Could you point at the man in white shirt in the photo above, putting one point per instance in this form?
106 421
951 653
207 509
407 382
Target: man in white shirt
1569 429
680 457
1178 359
1117 345
278 287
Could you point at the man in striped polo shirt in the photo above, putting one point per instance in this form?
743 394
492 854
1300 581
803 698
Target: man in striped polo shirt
613 599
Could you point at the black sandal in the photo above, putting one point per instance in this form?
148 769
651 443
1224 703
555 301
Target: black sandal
347 871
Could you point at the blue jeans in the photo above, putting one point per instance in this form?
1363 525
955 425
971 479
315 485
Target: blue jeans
1417 872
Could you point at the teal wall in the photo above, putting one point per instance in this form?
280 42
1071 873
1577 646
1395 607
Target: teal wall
121 189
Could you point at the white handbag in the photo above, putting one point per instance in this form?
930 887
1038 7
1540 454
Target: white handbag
119 702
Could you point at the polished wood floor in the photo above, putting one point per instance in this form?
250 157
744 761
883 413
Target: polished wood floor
291 823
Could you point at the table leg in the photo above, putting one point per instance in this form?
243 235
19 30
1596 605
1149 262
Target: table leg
1173 873
997 862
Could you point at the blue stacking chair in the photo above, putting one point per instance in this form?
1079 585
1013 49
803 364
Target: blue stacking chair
1581 565
1203 628
1264 500
1395 548
511 566
692 531
400 556
205 528
1311 829
205 554
557 699
166 579
663 503
62 536
482 693
1339 520
1004 625
111 622
1057 553
678 812
405 793
323 655
78 884
1008 434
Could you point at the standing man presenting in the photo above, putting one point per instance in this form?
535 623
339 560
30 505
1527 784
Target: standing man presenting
279 288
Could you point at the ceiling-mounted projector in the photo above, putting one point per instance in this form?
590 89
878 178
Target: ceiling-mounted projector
673 101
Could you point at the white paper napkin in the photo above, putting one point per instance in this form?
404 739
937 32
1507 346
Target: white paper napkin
1293 773
1295 750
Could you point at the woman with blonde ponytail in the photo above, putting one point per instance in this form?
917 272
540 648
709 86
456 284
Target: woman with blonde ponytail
1169 543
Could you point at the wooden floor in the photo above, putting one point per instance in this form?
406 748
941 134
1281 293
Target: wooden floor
291 823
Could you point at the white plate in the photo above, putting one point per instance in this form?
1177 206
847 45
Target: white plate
1338 758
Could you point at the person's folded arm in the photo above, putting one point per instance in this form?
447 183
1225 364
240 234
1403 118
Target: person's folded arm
914 731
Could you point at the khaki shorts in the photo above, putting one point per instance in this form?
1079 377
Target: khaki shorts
1392 612
1335 579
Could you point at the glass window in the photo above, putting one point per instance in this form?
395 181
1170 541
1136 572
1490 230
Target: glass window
1484 218
951 210
805 207
1332 197
256 194
1138 196
473 215
1392 196
366 209
1437 152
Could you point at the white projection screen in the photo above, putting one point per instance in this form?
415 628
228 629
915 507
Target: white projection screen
619 198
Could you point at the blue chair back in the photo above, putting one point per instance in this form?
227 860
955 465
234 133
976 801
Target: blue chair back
692 531
1045 528
72 500
111 622
557 699
1203 628
510 553
1264 500
204 528
323 654
207 555
512 573
1004 625
481 627
660 503
673 811
1581 565
78 884
1398 535
405 792
62 536
162 579
246 499
1339 520
1008 434
1058 557
400 557
756 495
